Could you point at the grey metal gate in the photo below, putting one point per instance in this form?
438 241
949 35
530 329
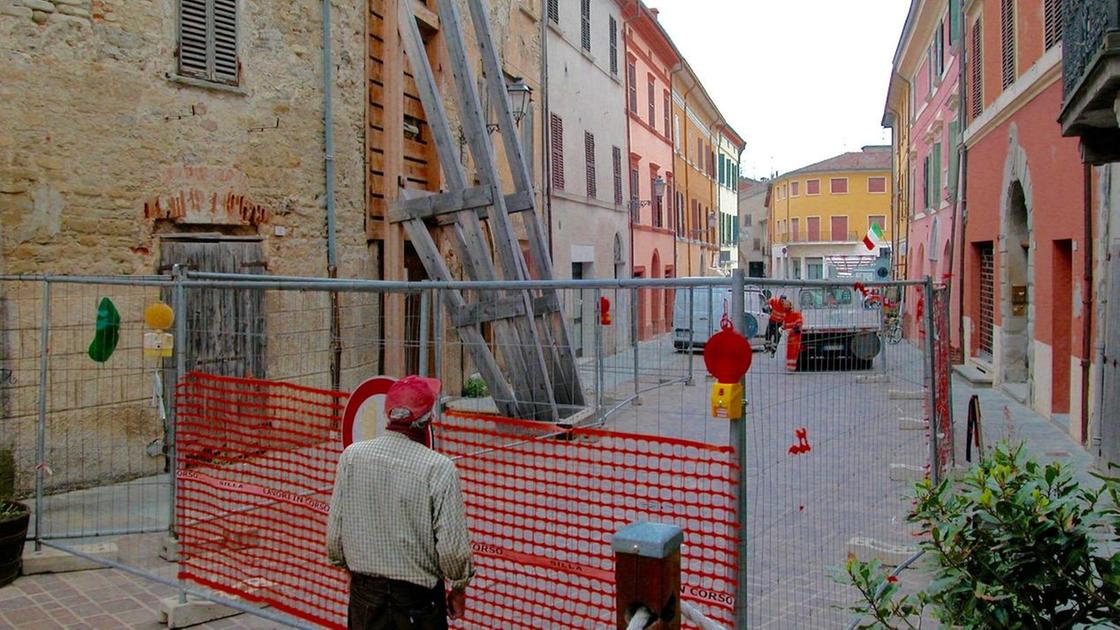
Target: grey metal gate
987 299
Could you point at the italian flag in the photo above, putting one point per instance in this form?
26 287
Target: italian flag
874 233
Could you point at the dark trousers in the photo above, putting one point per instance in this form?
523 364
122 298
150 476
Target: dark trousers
773 331
378 603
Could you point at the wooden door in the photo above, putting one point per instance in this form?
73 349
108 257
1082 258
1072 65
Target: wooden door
225 327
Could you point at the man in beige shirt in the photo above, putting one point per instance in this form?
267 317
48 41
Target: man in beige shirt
397 521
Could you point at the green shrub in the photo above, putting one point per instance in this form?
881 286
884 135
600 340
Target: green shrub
475 387
1017 544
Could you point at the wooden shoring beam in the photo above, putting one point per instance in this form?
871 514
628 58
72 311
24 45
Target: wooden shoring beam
553 328
507 250
526 398
434 205
504 308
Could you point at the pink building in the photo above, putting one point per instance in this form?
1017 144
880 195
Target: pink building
928 62
650 58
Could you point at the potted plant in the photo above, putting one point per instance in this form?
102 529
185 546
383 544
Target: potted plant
14 517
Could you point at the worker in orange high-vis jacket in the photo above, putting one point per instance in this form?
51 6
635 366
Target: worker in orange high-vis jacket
793 323
777 307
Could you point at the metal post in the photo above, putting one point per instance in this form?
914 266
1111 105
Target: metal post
634 341
739 441
931 381
437 341
41 437
691 323
598 355
179 307
425 315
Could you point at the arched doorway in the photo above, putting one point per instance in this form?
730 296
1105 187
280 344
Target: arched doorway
656 297
1016 262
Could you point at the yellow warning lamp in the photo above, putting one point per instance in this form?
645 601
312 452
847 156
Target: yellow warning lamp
727 355
158 343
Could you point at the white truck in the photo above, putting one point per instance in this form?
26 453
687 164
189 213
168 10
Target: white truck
839 331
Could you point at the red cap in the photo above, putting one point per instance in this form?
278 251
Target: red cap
414 393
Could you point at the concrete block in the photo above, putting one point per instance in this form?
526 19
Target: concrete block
907 472
912 424
890 555
169 549
17 11
39 5
873 378
901 394
192 612
49 560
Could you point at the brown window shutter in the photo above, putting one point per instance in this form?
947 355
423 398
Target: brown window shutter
1007 40
1052 18
977 62
557 141
589 163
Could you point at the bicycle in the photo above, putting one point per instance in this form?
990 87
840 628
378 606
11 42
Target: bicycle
892 329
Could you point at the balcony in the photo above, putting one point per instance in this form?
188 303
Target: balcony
1091 77
814 237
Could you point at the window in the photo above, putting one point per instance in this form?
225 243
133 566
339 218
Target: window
813 229
1007 40
927 181
722 167
585 24
796 268
838 185
879 220
651 88
208 40
699 154
795 231
554 10
935 177
637 210
557 141
632 84
589 163
746 220
977 77
616 164
1052 22
794 189
756 244
813 187
814 268
613 39
840 228
876 184
667 111
711 162
954 22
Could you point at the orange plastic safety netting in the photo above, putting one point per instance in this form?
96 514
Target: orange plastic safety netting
256 469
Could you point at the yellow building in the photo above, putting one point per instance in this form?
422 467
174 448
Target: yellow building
820 215
695 194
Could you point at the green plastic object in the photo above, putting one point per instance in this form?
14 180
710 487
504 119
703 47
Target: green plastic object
108 331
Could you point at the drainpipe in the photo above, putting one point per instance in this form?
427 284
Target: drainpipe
546 125
677 176
328 167
1106 234
961 207
1087 303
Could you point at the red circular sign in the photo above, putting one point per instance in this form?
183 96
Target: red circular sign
367 394
727 355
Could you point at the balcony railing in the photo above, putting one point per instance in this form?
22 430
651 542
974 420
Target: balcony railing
1091 77
819 236
1084 25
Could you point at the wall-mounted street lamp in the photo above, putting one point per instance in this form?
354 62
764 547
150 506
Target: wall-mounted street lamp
658 190
520 99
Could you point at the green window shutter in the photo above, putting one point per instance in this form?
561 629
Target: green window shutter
720 169
954 159
954 21
936 166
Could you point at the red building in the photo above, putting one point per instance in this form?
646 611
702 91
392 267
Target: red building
1023 224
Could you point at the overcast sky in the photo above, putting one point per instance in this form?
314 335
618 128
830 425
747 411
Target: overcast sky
800 80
